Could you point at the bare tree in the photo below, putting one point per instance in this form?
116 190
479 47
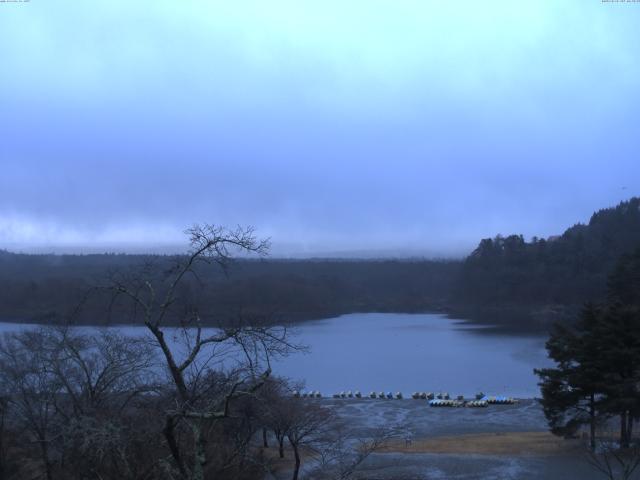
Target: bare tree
277 403
341 453
105 369
3 431
72 394
32 392
309 423
344 453
613 462
192 355
335 451
101 376
315 434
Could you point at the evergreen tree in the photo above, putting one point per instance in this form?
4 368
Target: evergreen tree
566 269
620 337
597 370
571 391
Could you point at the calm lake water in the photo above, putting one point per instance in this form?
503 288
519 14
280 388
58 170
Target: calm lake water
414 352
406 352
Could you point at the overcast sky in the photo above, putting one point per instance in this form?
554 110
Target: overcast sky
334 127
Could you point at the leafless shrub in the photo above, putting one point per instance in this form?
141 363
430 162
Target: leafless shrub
344 451
613 462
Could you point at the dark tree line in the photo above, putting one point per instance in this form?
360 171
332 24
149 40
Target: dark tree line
548 279
597 372
48 288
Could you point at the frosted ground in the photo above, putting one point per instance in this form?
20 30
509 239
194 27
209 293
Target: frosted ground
424 422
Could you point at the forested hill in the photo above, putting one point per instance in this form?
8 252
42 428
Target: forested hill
505 275
46 288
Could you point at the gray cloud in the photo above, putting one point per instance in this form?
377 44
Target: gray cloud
325 146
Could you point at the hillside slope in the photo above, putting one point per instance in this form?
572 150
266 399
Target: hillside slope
546 279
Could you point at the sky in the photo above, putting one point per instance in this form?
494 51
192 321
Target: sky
359 128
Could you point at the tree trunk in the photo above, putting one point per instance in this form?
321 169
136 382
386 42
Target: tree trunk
592 422
265 444
2 459
629 427
45 459
168 432
281 447
624 439
200 454
296 454
178 377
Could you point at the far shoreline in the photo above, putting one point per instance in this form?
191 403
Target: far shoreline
486 323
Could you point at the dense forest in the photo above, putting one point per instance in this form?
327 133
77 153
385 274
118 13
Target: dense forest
50 287
506 280
547 279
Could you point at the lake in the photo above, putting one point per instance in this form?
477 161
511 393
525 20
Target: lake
414 352
406 352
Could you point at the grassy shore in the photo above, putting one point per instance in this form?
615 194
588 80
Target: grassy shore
510 443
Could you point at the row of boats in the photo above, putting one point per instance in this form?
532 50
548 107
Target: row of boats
479 403
435 399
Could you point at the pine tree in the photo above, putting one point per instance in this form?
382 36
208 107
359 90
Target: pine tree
597 370
571 392
620 337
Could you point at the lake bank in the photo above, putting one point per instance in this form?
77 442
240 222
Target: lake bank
500 442
508 443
